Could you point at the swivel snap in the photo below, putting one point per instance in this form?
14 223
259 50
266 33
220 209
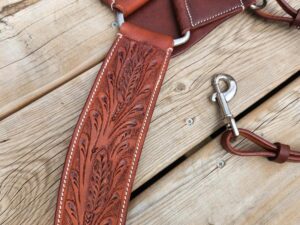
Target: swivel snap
223 97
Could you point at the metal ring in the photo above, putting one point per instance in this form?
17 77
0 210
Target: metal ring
177 41
259 6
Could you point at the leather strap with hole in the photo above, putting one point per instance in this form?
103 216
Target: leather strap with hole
276 152
106 145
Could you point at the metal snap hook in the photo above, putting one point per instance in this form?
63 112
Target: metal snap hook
259 6
223 97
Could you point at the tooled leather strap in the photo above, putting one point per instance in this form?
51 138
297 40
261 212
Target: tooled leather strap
106 145
294 15
276 152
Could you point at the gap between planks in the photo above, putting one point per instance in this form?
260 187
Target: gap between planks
248 190
207 140
40 72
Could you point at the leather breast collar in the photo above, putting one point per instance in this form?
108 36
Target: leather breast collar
106 145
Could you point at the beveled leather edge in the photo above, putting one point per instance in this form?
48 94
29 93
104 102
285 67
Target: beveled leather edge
77 130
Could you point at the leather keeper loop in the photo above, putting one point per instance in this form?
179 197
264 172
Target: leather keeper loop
283 153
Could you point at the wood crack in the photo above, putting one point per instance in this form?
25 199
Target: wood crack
13 8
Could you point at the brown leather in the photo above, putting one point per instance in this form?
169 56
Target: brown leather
276 152
106 145
175 17
125 6
293 17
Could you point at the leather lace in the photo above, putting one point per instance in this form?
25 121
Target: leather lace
276 152
293 17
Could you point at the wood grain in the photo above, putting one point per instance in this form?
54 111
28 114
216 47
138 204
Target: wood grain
44 44
246 191
34 140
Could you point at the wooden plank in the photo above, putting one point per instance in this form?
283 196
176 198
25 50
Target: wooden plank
46 43
34 140
248 190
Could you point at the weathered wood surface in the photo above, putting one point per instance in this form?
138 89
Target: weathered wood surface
44 44
34 140
245 191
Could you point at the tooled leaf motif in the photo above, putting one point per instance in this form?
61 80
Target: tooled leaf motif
109 135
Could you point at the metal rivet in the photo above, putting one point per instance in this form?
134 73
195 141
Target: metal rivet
114 24
189 121
220 164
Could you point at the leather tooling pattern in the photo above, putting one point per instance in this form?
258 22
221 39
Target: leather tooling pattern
107 141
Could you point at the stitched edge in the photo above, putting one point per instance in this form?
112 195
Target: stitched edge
241 5
78 131
141 135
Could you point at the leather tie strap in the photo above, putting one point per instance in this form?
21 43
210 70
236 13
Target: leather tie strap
276 152
294 15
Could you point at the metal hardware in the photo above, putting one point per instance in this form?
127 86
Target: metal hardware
259 6
221 163
177 41
222 98
189 121
120 18
182 40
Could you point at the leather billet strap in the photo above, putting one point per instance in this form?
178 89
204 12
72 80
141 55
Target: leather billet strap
106 145
176 17
276 152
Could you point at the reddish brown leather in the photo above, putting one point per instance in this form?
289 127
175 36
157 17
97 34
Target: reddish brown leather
125 6
171 17
106 145
276 152
293 17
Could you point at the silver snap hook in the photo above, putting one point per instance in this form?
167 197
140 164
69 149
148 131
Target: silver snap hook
262 5
223 97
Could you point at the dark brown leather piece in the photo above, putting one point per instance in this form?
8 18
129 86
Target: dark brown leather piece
106 145
125 6
171 17
276 152
297 20
193 14
283 153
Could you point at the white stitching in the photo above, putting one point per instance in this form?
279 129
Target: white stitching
141 134
112 4
241 5
79 129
